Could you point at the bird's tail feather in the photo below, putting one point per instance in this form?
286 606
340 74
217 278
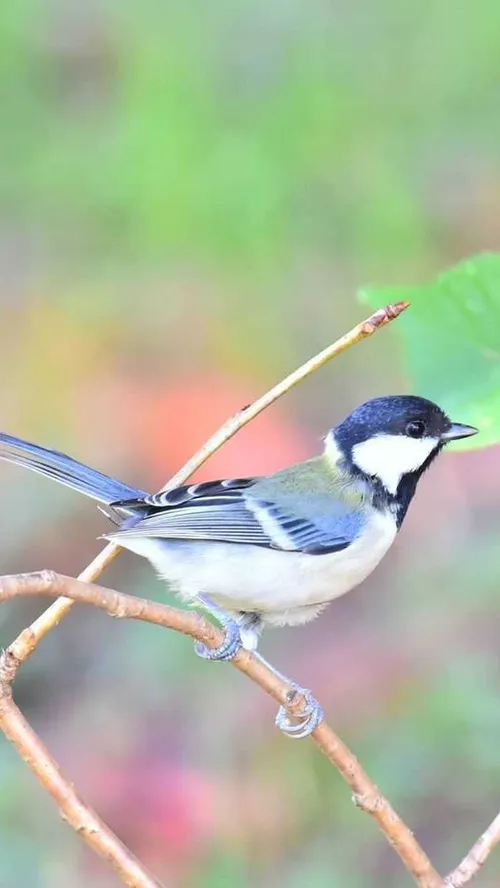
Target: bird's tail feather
66 470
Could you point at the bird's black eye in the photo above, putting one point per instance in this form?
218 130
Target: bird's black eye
415 428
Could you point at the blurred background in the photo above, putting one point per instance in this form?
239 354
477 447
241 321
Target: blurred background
190 196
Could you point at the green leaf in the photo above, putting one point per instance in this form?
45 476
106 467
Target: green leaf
450 340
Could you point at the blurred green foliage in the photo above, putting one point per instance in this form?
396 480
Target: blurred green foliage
190 197
244 132
450 342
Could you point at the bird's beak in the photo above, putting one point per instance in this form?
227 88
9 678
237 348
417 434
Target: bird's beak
458 430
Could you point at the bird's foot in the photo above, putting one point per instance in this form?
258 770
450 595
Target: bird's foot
304 722
300 724
232 638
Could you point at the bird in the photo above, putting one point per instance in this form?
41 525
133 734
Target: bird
273 550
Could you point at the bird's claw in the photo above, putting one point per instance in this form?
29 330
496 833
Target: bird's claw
232 639
302 724
229 647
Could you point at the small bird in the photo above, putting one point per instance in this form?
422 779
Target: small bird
273 550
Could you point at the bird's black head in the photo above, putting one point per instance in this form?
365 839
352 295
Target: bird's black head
392 440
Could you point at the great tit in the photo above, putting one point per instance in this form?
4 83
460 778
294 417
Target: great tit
273 550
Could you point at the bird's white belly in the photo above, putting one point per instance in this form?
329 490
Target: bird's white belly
266 581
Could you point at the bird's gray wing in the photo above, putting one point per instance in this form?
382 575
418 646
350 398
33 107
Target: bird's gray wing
228 511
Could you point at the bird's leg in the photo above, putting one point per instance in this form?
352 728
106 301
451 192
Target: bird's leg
232 640
302 724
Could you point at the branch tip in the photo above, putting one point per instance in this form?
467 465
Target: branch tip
383 316
396 308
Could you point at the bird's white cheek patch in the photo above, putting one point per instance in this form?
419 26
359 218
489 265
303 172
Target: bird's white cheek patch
389 457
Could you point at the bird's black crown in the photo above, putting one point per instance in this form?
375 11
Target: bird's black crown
407 415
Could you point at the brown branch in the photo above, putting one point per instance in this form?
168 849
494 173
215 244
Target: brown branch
26 642
367 796
72 809
474 860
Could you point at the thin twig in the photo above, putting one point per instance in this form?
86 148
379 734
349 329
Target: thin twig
474 860
366 794
26 642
